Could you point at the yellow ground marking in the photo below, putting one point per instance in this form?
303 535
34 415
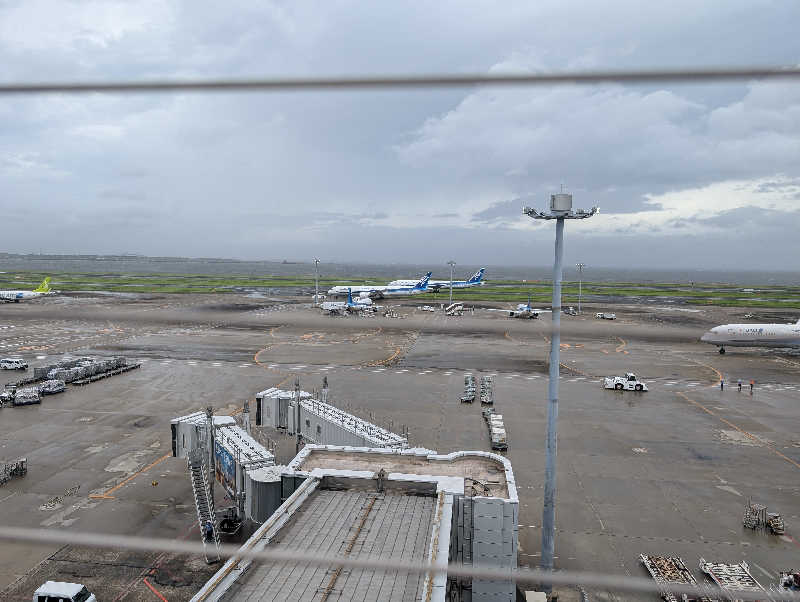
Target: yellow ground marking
107 495
358 337
604 351
621 346
565 345
741 430
699 363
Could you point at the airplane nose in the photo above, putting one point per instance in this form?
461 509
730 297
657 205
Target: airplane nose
706 338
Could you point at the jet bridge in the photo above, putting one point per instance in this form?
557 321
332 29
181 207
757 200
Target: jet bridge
320 422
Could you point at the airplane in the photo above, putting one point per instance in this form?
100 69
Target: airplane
475 280
379 292
525 311
753 335
17 296
349 306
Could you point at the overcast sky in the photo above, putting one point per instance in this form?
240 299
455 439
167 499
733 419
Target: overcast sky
694 175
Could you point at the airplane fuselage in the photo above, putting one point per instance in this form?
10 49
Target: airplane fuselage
753 335
17 296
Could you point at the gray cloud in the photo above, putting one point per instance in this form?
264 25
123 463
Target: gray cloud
276 175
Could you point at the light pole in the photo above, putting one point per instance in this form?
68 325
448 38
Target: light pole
316 281
452 265
580 283
560 210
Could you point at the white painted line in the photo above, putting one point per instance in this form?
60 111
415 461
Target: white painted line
691 385
41 357
216 363
668 384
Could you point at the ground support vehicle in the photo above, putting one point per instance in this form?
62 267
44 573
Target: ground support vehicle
602 316
788 581
487 390
497 430
469 389
51 387
63 592
570 311
13 363
629 382
732 577
25 397
11 470
667 570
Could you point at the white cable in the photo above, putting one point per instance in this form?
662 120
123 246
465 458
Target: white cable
445 80
567 578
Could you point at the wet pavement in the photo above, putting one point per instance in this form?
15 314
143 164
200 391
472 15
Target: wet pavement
664 472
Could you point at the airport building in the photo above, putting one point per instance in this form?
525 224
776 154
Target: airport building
403 504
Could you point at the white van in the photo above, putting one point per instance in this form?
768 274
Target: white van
60 591
13 363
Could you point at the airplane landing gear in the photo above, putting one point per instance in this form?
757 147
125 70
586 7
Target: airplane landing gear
722 350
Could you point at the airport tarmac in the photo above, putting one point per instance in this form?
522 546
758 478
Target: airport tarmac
664 472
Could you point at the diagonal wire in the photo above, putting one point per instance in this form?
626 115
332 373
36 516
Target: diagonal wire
566 578
440 80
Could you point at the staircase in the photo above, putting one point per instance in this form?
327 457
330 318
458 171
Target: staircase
204 504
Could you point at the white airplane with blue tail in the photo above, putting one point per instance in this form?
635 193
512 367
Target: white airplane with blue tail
349 306
379 292
475 280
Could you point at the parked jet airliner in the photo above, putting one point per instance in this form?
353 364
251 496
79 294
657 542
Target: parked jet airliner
17 296
379 292
360 304
475 280
753 335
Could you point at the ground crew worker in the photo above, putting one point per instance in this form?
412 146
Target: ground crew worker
752 382
209 531
721 384
739 384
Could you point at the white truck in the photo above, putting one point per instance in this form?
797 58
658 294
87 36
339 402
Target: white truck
629 382
603 316
13 363
62 591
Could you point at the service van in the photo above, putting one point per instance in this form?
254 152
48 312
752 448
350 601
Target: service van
13 363
61 591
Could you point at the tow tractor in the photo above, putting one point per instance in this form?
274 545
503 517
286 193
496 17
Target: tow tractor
629 382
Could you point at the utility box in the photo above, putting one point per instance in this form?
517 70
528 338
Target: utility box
561 202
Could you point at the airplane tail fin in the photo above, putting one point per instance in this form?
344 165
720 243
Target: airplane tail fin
423 283
350 296
44 287
477 276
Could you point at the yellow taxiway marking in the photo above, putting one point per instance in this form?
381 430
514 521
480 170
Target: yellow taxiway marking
107 495
741 430
620 348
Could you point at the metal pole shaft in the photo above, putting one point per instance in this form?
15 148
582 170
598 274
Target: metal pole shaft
451 284
580 287
548 515
297 414
316 281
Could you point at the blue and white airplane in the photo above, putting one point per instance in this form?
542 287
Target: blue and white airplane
349 306
475 280
379 292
